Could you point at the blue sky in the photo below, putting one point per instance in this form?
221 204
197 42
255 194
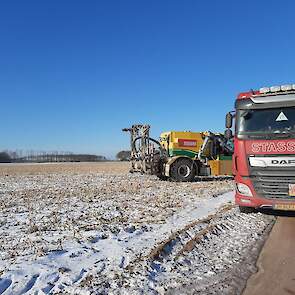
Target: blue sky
73 73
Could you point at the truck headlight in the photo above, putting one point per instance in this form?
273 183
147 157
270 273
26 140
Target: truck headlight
244 189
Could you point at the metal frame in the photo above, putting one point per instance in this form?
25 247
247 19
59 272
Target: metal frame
140 148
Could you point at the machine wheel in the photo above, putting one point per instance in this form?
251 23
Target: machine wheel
247 210
183 170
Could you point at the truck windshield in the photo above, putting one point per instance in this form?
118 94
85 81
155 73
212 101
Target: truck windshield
267 122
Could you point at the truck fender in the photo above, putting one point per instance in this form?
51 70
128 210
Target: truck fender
167 165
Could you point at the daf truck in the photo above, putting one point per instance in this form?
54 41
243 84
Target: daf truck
264 148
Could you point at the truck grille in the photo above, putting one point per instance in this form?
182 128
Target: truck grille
272 183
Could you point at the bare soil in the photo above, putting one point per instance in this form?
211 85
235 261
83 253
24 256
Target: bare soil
276 262
40 168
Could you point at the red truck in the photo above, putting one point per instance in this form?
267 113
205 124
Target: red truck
264 148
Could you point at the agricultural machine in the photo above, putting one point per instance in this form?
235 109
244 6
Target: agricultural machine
179 155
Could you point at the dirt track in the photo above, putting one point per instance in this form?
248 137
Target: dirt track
276 262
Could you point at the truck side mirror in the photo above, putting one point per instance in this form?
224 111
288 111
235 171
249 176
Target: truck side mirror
228 120
228 134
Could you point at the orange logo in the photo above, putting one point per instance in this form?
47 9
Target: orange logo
187 142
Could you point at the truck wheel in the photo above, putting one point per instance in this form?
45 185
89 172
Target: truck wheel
183 170
247 210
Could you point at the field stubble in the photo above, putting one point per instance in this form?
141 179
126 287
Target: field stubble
78 227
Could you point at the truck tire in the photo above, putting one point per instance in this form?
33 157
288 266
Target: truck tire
247 210
183 170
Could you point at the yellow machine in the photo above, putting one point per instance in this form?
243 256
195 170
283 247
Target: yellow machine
189 144
180 155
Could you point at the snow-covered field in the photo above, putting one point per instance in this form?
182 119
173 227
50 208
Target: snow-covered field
95 229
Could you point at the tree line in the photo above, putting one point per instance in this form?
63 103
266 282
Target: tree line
20 156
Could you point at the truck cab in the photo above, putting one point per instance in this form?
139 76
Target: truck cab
264 148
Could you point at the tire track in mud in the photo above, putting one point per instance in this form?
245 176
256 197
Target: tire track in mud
190 234
213 257
185 263
184 241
